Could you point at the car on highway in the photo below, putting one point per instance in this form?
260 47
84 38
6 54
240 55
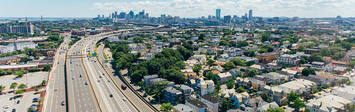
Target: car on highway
72 78
124 99
94 60
100 76
86 83
98 80
108 81
10 98
7 106
123 86
79 75
18 101
103 73
63 103
13 110
111 95
58 62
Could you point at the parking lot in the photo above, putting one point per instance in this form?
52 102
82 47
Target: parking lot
25 101
30 79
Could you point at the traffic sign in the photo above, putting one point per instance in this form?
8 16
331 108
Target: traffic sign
89 54
94 54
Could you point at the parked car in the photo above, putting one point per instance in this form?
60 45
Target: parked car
18 101
63 103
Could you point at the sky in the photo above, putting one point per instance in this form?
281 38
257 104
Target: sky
181 8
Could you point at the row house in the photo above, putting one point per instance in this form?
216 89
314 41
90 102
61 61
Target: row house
205 87
211 102
224 77
286 59
317 65
250 83
186 91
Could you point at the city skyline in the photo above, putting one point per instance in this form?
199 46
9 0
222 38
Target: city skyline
181 8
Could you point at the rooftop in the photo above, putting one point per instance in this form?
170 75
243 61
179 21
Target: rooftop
210 98
196 103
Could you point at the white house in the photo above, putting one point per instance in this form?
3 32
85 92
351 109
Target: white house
211 102
329 67
205 87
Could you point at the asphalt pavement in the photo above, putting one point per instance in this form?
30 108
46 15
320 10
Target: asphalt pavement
81 97
134 98
105 86
56 88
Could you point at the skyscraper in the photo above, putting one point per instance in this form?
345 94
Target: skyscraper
227 19
115 14
41 18
251 15
131 14
218 14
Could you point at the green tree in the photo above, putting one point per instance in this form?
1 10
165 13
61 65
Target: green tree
2 88
249 53
264 37
29 51
210 62
223 43
284 103
201 36
22 86
19 92
13 86
301 48
43 82
265 97
238 61
197 68
273 70
228 66
180 64
19 73
325 52
215 58
292 96
307 110
240 89
315 57
252 72
46 68
349 107
232 44
230 83
298 104
249 63
307 71
2 72
140 83
166 107
279 109
25 59
242 44
225 104
147 89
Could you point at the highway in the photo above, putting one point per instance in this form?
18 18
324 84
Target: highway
80 95
105 86
56 85
135 99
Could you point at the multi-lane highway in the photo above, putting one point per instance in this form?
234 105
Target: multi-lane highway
105 87
80 92
133 97
56 87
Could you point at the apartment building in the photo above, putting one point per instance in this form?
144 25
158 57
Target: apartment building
172 95
211 102
292 60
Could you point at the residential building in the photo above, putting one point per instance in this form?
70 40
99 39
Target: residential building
286 59
266 57
251 104
27 29
275 94
147 79
318 65
172 95
205 87
182 108
299 86
7 49
211 102
186 91
9 59
328 103
347 92
250 83
311 50
223 77
20 46
264 106
273 78
197 106
339 69
329 67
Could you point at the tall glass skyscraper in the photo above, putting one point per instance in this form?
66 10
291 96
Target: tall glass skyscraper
251 15
218 14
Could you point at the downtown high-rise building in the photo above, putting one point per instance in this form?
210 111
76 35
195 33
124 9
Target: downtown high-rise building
131 14
218 14
251 15
115 14
141 15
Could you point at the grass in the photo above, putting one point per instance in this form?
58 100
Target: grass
105 55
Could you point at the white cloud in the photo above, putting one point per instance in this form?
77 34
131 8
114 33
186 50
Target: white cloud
264 8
